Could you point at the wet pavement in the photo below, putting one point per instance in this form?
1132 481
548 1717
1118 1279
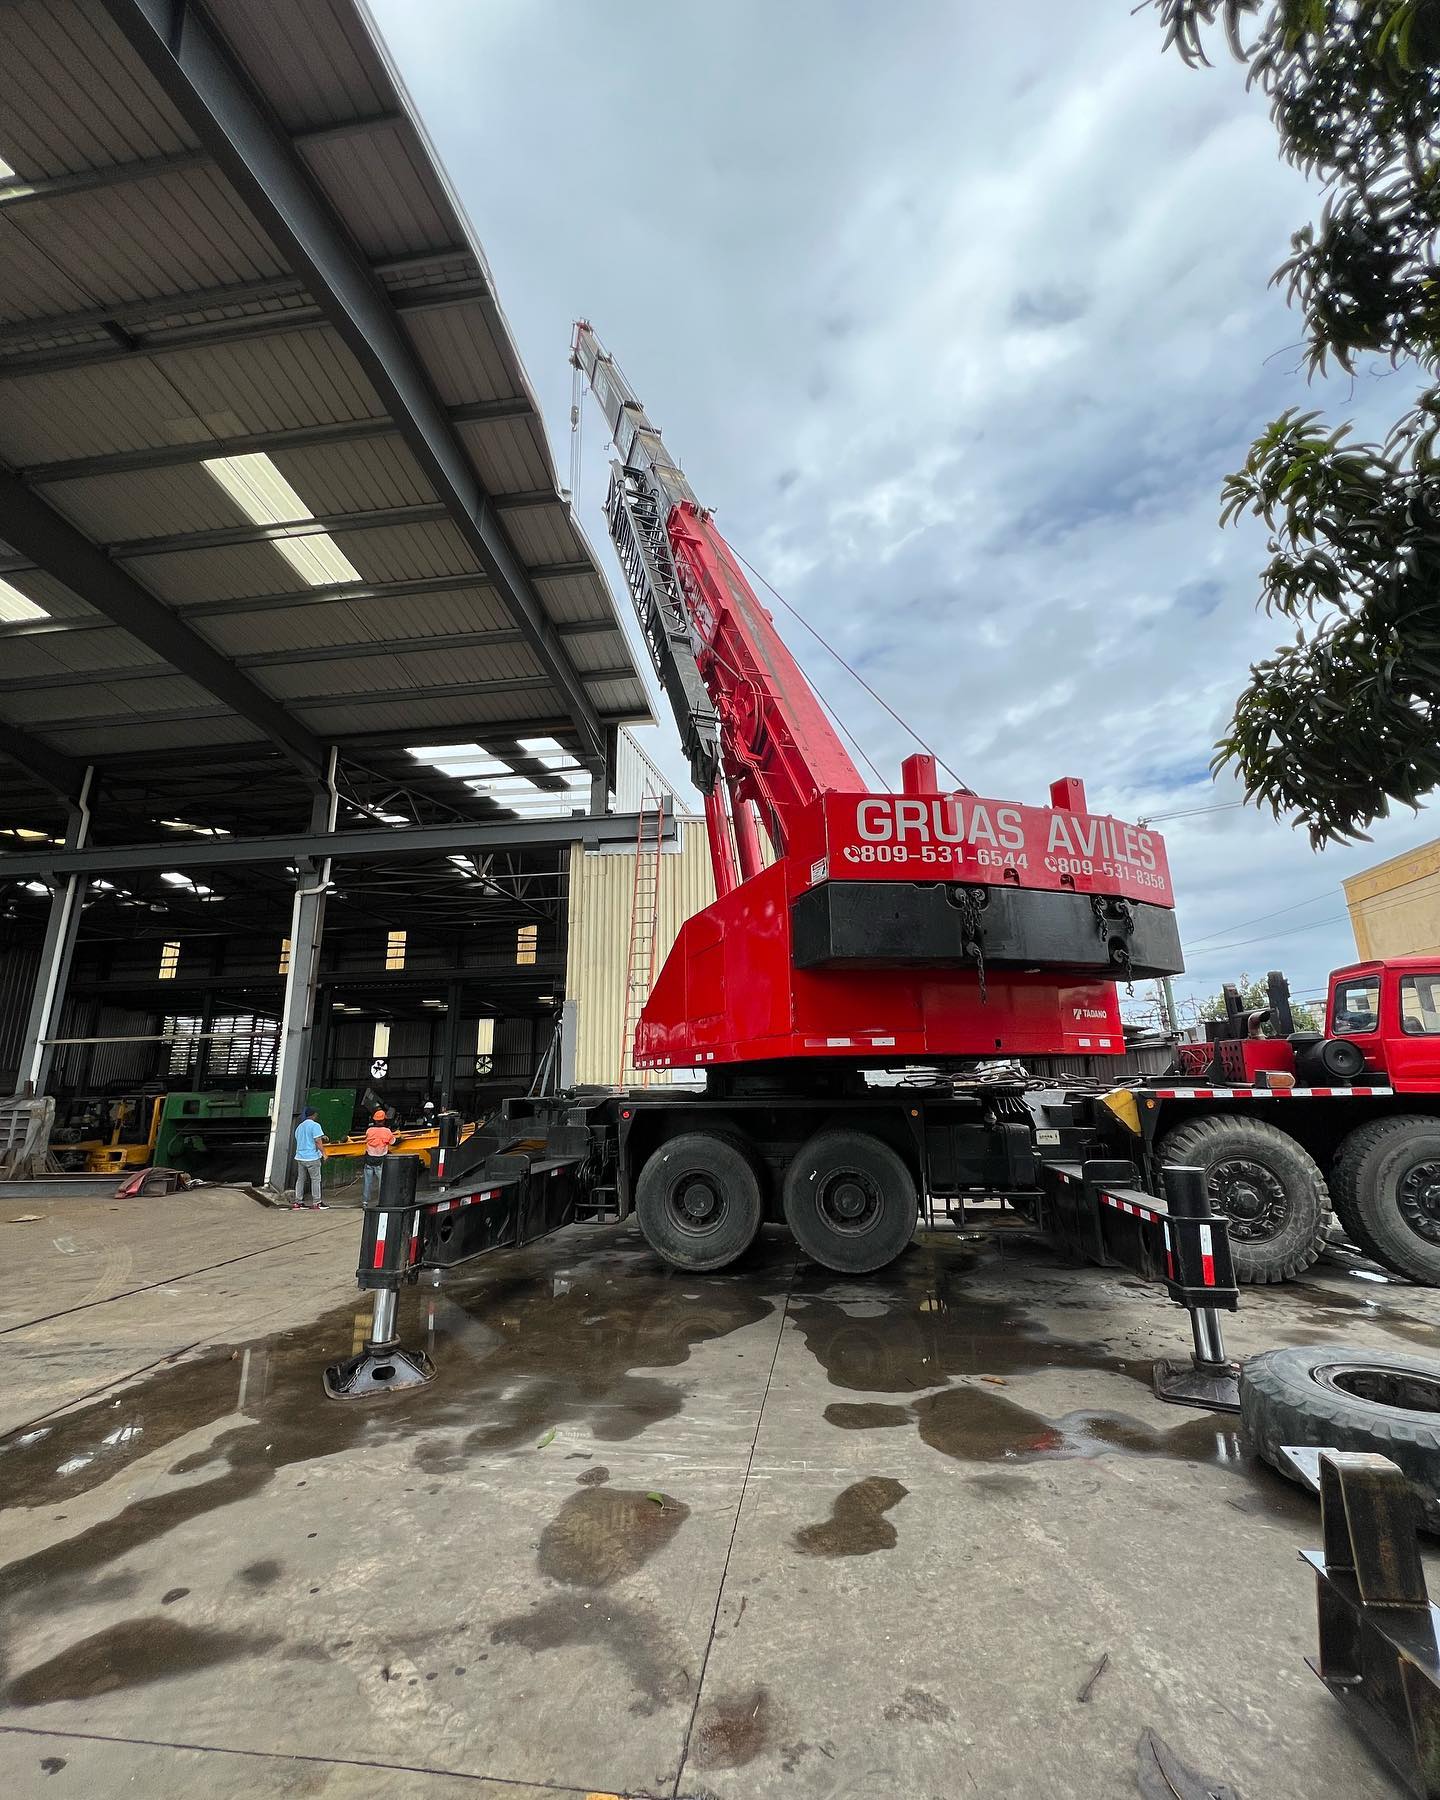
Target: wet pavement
763 1533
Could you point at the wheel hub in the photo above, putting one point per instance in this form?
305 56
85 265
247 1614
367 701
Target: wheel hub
1251 1198
850 1201
1419 1200
697 1201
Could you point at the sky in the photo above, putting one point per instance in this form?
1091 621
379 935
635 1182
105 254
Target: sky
957 315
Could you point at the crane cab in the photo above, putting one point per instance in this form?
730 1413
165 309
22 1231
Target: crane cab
1390 1012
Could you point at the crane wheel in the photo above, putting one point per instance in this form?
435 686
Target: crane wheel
1267 1186
1386 1183
850 1201
698 1200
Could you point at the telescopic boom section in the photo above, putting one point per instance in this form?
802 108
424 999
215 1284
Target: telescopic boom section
751 721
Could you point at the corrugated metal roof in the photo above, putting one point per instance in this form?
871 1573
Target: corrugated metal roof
150 316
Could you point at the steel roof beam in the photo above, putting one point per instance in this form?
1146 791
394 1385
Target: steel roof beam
53 544
140 766
282 602
337 651
309 316
326 524
227 537
60 773
416 840
16 191
194 71
441 690
132 315
299 437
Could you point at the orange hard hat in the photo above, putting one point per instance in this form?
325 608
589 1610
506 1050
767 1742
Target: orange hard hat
378 1118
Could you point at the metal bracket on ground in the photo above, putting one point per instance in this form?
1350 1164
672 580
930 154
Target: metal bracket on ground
1378 1631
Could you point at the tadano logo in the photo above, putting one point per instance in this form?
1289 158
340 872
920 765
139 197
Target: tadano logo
1090 1012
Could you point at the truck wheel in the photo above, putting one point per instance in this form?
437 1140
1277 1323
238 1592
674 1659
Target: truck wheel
1268 1188
698 1201
1386 1183
1347 1400
850 1201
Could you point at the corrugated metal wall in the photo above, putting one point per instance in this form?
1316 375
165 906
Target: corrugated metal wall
18 963
601 885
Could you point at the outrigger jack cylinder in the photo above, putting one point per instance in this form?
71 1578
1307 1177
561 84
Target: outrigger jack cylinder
389 1240
1209 1379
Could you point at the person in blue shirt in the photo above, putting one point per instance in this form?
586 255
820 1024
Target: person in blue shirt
309 1142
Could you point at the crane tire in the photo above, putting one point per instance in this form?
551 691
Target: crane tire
698 1200
1386 1185
850 1201
1267 1187
1343 1399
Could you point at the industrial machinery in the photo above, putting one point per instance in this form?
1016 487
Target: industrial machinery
1287 1124
841 1001
197 1132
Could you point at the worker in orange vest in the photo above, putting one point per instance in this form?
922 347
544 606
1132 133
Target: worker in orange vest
378 1139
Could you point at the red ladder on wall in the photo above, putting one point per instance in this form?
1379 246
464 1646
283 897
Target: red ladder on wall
644 918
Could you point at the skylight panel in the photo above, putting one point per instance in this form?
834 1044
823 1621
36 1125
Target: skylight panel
264 495
15 606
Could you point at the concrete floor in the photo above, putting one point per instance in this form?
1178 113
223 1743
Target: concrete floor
763 1534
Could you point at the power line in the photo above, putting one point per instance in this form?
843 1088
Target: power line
1194 813
1240 924
1265 937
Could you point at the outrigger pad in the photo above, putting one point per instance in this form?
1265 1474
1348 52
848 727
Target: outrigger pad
378 1371
1215 1387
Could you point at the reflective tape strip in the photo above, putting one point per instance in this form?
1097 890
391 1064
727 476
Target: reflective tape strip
415 1234
380 1227
1129 1206
1169 1252
1282 1093
1207 1256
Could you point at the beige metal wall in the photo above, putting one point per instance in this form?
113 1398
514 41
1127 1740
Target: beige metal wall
1395 907
601 886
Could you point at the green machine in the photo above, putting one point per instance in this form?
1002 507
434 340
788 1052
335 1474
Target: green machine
199 1129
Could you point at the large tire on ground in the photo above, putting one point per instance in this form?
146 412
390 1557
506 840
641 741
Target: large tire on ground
1269 1189
698 1200
1347 1400
850 1201
1386 1184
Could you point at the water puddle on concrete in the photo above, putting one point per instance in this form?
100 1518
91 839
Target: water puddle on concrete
605 1533
129 1655
522 1349
732 1730
857 1525
919 1326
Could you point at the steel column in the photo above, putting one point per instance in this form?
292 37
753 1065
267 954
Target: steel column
297 1010
450 1045
37 1053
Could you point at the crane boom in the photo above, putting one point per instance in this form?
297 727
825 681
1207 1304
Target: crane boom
889 927
752 719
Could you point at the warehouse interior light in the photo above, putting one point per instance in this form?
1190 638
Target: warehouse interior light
16 607
199 830
6 172
264 495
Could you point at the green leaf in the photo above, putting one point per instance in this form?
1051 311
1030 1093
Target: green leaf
549 1438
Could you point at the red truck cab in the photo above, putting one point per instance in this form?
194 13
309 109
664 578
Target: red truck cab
1390 1011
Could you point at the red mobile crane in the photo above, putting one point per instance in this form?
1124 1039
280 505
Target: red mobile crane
922 931
922 925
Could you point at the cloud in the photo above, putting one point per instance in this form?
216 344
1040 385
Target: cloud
958 327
